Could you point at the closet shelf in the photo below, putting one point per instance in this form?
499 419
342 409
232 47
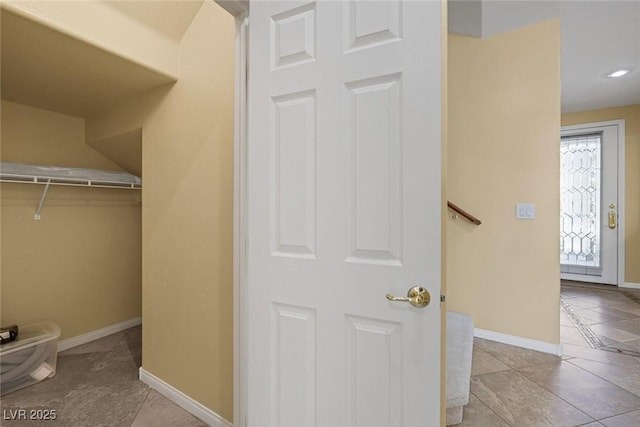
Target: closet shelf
22 173
41 174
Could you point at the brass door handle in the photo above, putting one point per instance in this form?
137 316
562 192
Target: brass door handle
613 223
417 296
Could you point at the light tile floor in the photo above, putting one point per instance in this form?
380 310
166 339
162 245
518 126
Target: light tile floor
595 383
97 384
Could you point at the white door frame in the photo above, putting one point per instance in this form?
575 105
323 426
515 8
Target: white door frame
621 187
240 215
239 9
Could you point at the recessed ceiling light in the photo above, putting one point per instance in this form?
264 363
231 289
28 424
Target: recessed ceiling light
619 73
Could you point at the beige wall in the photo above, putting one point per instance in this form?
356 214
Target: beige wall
188 220
631 115
80 265
504 120
124 149
187 215
33 135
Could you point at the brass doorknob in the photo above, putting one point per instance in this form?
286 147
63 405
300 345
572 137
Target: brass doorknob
417 296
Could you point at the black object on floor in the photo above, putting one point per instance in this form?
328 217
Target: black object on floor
8 334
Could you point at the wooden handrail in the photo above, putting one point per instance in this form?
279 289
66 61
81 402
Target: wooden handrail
466 215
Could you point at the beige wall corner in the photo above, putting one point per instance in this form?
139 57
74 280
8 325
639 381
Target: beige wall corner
504 121
124 149
80 265
33 135
631 115
187 163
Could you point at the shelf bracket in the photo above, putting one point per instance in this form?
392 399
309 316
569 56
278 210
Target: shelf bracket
44 195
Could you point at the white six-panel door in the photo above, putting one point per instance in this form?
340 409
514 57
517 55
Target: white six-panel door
344 161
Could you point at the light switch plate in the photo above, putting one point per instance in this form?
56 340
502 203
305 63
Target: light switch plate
525 211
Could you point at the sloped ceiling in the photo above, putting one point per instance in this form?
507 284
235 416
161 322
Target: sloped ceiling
81 58
48 69
171 18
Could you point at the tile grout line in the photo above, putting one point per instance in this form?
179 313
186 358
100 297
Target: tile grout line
618 415
593 419
599 376
133 420
586 332
116 390
596 418
591 337
491 409
517 371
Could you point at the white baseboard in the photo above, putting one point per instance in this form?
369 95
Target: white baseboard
184 401
98 333
545 347
630 285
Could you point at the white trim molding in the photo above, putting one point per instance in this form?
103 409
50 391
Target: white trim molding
185 402
622 205
240 206
239 9
545 347
234 7
98 333
630 285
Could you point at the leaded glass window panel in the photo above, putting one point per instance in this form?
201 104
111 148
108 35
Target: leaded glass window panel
580 189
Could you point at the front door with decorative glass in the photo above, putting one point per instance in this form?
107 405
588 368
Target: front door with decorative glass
589 222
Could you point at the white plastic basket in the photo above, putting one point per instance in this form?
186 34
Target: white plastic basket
30 358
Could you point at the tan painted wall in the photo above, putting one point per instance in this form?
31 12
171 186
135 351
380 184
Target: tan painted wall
33 135
124 149
631 115
504 120
187 164
80 265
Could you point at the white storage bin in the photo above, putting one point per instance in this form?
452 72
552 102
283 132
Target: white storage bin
30 358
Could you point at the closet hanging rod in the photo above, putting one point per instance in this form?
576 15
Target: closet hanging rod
47 175
70 183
